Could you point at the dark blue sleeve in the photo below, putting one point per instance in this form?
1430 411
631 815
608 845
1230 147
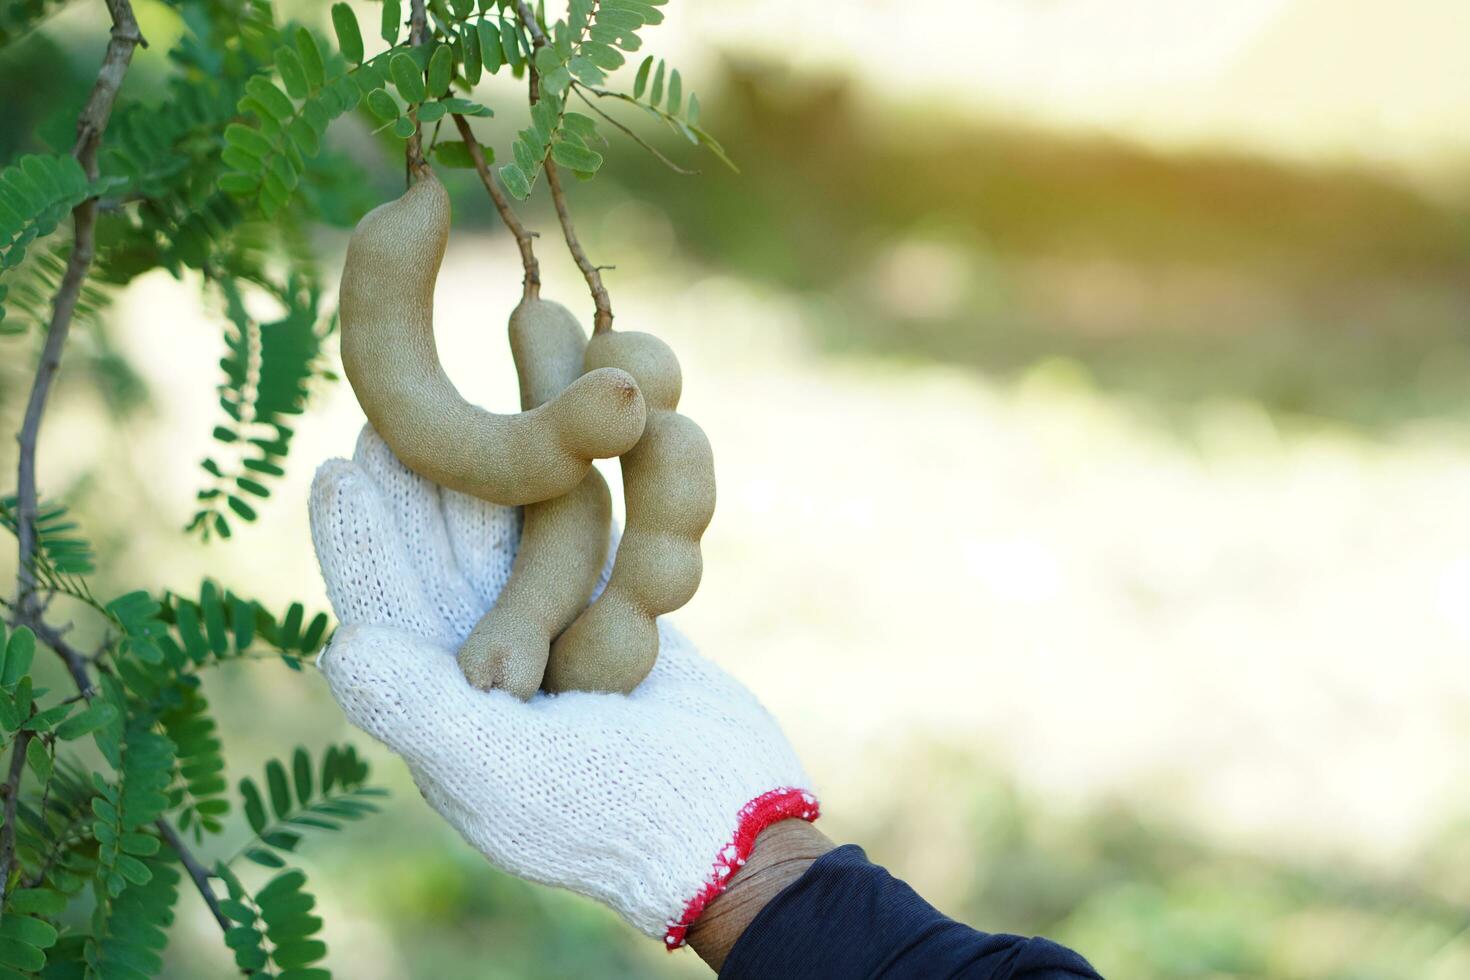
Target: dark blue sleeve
849 918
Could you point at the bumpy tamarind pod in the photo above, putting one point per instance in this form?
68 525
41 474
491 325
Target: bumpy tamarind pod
388 351
669 489
563 540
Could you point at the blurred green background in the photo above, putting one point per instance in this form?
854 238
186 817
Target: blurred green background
1090 390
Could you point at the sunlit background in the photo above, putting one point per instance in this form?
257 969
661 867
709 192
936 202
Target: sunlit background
1089 384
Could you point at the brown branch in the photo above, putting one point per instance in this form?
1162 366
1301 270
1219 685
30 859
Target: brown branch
602 320
90 126
413 154
531 281
12 796
634 136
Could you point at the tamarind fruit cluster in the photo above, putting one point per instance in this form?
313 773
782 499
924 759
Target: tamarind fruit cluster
389 355
616 395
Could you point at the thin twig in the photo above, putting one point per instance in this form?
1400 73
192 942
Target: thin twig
531 281
528 17
12 796
602 319
196 871
413 154
634 136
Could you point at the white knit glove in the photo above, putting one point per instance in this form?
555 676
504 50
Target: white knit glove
647 802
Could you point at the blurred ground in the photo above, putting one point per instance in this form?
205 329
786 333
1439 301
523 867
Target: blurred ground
1091 514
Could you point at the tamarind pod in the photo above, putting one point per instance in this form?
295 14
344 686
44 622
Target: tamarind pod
563 540
669 491
389 355
563 546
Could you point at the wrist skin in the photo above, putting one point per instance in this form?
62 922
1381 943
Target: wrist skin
782 853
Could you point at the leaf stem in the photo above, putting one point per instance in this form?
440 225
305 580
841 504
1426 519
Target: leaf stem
196 871
659 154
413 154
602 319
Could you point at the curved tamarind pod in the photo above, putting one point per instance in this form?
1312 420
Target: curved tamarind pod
563 540
388 352
669 489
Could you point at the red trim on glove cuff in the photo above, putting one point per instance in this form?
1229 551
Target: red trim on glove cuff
768 808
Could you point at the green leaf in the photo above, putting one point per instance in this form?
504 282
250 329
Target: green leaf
515 181
406 77
38 759
432 112
441 66
25 929
299 952
238 911
293 75
656 91
676 92
40 901
403 128
305 138
547 60
392 21
301 772
19 653
491 52
640 81
311 58
23 956
576 157
469 54
382 105
349 38
252 486
95 716
272 99
248 140
275 776
603 56
510 44
265 858
241 507
254 808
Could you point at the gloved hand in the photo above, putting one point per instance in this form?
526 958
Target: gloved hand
647 802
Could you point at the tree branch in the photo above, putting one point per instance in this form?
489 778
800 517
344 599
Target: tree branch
531 281
90 126
528 17
418 27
